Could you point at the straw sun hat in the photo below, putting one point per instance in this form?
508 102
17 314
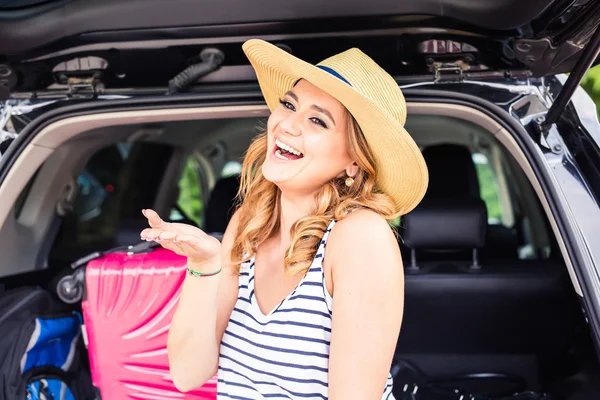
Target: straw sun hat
373 98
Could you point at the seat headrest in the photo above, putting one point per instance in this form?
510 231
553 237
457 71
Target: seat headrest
446 224
452 172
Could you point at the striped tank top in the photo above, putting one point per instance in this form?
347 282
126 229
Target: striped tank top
284 354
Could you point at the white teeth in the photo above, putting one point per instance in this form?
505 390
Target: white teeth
278 154
287 147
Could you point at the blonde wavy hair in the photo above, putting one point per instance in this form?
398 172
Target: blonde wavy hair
259 206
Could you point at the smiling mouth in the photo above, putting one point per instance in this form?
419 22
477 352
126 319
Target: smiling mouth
286 152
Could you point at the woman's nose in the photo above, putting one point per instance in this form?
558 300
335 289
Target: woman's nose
292 124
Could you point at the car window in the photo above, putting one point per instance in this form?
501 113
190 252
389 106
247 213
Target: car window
189 201
190 204
488 188
116 183
231 168
591 84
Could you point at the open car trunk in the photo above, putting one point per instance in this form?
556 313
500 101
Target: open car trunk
109 107
84 175
83 47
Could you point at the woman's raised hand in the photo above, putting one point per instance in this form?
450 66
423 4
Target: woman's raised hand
183 239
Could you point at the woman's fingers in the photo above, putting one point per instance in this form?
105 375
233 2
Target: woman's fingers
154 219
160 236
151 234
165 239
183 239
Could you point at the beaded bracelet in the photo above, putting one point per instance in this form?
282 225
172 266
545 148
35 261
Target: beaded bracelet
201 274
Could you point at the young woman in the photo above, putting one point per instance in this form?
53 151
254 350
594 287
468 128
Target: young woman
268 308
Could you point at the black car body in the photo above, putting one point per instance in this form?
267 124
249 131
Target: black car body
499 78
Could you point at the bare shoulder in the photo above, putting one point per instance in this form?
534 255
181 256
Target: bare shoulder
364 218
363 227
361 240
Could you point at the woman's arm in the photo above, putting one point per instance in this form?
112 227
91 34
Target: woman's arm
368 300
204 306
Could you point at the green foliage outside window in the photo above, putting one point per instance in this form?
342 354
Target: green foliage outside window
488 189
591 83
190 200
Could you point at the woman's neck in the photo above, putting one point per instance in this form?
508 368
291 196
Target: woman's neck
291 210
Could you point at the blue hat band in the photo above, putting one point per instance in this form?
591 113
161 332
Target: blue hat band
334 73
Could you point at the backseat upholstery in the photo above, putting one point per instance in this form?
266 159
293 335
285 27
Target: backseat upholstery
524 309
465 218
221 203
453 176
452 173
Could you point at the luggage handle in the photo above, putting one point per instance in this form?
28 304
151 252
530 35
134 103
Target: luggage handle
139 248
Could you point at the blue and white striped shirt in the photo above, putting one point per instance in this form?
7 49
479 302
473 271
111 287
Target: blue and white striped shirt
284 354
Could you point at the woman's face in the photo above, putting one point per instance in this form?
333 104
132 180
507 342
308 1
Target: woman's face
307 141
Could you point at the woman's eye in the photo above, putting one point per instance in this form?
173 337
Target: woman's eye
287 105
291 107
319 122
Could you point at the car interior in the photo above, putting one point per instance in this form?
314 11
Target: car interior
488 287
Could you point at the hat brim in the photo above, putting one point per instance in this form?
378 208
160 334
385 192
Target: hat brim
401 169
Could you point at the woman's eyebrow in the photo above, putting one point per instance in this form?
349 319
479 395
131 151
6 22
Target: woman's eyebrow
314 106
324 111
292 95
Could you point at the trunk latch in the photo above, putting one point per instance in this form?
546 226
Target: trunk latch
449 72
84 86
82 75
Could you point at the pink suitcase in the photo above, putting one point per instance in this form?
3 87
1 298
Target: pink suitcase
130 300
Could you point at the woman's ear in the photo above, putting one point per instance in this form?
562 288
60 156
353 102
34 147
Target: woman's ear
352 170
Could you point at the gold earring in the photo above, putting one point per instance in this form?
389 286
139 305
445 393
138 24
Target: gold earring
349 181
